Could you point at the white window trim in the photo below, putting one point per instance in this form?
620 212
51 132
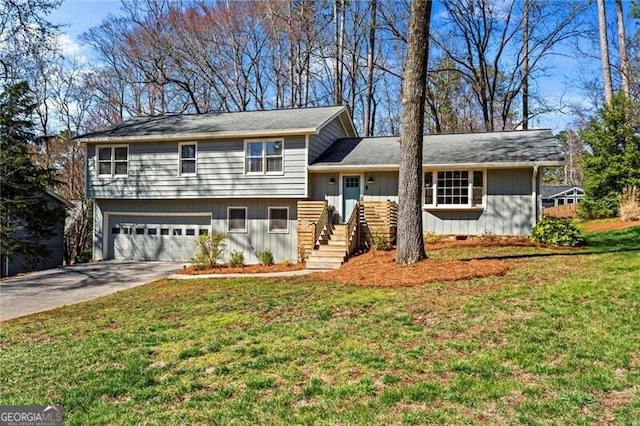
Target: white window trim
264 156
112 160
469 205
279 231
180 159
246 220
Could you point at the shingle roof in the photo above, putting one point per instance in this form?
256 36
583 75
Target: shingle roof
527 146
289 121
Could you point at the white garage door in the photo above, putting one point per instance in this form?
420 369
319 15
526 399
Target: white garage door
155 237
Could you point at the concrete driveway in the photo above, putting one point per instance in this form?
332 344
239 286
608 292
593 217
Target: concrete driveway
44 290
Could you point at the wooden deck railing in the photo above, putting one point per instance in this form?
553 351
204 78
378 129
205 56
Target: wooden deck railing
381 218
312 217
352 230
566 211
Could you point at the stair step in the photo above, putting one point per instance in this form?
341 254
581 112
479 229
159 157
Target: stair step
332 248
339 257
322 265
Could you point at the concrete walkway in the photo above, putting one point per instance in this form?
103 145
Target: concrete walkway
44 290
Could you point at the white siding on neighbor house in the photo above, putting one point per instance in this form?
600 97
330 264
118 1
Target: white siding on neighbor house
257 238
327 136
153 173
509 210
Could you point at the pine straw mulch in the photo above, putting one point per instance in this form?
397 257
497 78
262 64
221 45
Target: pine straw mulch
379 269
247 269
609 225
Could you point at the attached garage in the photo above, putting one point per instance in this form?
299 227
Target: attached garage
154 237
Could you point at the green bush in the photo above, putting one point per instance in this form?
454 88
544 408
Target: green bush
557 232
381 242
265 257
209 250
236 259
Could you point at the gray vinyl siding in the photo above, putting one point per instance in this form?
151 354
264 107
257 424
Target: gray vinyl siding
327 136
153 173
257 238
509 209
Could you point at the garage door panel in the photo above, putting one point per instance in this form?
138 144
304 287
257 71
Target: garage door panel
155 237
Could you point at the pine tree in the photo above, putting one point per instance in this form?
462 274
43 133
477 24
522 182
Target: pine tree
26 218
613 161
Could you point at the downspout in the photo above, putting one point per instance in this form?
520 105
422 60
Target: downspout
534 193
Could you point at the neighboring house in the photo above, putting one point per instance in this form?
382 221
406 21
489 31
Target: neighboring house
265 178
18 263
559 195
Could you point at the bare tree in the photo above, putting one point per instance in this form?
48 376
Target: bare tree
625 71
604 52
481 37
369 113
410 239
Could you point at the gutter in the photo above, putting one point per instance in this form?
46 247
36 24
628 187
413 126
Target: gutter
198 136
450 166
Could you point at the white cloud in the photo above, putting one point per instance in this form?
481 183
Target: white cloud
71 49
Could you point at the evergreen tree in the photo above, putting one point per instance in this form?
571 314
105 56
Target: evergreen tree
613 161
26 218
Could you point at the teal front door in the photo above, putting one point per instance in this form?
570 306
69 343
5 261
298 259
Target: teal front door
350 194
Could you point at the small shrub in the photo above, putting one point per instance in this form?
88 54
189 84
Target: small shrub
381 242
287 262
630 204
265 257
209 250
430 238
557 232
236 259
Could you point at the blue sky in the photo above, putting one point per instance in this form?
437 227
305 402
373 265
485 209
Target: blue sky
80 15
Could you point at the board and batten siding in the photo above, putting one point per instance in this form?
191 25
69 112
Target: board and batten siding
322 141
257 238
509 209
153 173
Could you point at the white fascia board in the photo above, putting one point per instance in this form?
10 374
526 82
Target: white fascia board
199 136
565 191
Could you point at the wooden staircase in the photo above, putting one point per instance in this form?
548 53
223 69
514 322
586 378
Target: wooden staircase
331 251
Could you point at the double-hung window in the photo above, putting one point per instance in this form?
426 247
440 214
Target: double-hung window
188 158
113 160
264 156
454 189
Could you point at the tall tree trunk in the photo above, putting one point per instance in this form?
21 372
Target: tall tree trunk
604 53
525 66
339 17
622 43
368 116
410 239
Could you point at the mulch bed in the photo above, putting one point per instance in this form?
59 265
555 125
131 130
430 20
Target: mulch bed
379 269
609 225
248 269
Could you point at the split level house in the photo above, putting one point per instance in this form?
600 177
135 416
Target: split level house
297 182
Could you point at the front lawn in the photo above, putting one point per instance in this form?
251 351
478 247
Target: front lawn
556 340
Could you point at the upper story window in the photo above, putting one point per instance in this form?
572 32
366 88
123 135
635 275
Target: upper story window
113 160
264 156
188 158
454 189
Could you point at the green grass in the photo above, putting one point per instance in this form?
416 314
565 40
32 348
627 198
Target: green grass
555 341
